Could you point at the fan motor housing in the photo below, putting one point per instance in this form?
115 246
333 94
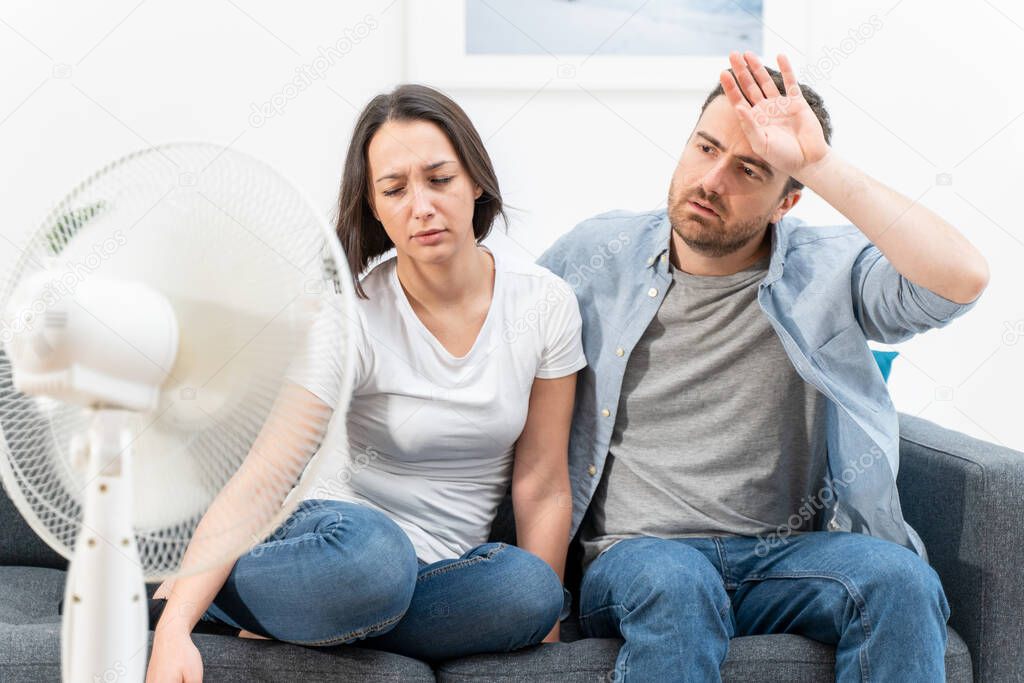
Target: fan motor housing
111 343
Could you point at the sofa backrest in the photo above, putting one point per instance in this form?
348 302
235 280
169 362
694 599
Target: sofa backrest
19 545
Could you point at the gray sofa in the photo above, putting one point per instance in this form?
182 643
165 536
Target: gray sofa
964 496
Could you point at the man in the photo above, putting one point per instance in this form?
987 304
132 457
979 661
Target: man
733 438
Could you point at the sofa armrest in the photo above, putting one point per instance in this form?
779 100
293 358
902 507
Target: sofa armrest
965 497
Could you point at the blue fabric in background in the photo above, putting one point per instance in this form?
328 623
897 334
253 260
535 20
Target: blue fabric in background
884 360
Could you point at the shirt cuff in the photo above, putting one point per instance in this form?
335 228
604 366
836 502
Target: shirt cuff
938 306
555 373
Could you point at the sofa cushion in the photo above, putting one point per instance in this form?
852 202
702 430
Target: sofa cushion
29 595
30 645
771 659
30 651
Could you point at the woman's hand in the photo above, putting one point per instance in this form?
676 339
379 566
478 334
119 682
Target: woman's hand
175 659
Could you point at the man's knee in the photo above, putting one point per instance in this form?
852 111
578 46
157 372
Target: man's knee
896 580
909 585
664 573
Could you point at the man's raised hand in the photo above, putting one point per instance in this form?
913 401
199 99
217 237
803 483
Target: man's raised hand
781 128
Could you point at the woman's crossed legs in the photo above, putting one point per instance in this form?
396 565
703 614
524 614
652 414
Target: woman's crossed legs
338 572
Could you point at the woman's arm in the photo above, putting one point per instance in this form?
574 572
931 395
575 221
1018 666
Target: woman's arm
541 496
253 495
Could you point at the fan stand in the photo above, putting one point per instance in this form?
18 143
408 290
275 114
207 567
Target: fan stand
104 632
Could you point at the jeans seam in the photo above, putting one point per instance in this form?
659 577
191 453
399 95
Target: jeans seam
723 557
593 612
723 612
851 590
625 669
351 635
462 563
301 538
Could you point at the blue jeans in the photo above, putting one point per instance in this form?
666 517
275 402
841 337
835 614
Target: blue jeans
677 602
338 572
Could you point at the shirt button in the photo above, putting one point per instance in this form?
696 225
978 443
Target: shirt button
620 352
652 292
591 470
650 261
605 412
664 257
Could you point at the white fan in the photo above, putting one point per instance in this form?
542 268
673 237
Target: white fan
148 329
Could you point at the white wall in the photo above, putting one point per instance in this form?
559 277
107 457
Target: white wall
935 90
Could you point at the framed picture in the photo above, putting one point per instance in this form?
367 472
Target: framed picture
599 44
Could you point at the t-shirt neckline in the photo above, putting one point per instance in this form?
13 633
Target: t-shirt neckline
755 271
410 314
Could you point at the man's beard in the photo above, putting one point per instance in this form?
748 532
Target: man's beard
709 236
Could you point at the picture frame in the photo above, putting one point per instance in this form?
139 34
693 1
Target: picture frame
436 54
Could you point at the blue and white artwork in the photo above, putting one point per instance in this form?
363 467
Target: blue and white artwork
613 27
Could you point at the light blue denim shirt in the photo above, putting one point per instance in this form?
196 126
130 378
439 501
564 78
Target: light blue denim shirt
827 292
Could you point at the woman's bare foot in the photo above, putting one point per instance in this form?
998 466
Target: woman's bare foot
249 634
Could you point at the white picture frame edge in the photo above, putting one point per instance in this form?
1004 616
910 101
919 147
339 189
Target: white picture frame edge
434 54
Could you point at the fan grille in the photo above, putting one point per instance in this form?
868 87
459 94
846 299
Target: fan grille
247 263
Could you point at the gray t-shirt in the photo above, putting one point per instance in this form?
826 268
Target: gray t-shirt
716 434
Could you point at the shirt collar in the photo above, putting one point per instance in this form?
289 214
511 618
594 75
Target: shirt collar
658 252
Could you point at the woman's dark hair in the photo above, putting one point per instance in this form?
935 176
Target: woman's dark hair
362 236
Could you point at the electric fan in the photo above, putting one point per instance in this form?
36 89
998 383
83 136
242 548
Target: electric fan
152 330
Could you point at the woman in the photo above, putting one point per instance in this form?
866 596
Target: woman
464 383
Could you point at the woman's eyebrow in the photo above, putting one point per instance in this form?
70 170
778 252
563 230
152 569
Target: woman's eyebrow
426 167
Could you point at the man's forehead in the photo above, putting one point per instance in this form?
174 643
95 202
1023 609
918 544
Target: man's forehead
720 121
719 124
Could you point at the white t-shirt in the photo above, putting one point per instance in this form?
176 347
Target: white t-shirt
431 436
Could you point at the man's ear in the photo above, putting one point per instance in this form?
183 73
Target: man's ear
787 203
